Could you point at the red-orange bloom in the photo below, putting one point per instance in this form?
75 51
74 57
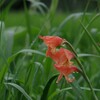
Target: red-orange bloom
66 71
52 41
61 57
63 64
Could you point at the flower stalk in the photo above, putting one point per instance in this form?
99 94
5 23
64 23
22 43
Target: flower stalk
82 69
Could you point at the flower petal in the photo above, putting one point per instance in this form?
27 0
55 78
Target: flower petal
66 71
52 41
69 54
59 77
62 56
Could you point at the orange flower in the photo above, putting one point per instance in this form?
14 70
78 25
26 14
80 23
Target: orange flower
52 41
61 57
66 71
63 64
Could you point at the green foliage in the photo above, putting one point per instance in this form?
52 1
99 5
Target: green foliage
27 74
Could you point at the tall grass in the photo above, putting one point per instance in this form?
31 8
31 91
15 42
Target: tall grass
27 74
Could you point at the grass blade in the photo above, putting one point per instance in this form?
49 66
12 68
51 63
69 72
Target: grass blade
20 89
70 88
88 55
91 38
47 87
25 51
78 39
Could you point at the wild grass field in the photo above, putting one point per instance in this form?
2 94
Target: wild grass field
25 71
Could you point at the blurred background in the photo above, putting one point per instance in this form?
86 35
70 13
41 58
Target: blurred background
25 72
63 5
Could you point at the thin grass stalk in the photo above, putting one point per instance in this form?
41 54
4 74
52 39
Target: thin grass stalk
29 69
86 7
70 88
5 66
48 19
27 19
83 17
51 14
82 69
52 11
5 11
91 21
62 83
91 38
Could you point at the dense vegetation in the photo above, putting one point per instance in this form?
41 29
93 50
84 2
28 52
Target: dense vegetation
27 74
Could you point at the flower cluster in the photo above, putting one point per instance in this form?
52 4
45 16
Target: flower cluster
62 57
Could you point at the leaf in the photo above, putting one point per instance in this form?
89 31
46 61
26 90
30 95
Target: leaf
25 51
91 38
88 55
70 88
78 39
74 15
57 92
47 87
77 90
20 89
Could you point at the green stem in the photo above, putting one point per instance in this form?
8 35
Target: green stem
28 23
90 22
91 38
82 68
